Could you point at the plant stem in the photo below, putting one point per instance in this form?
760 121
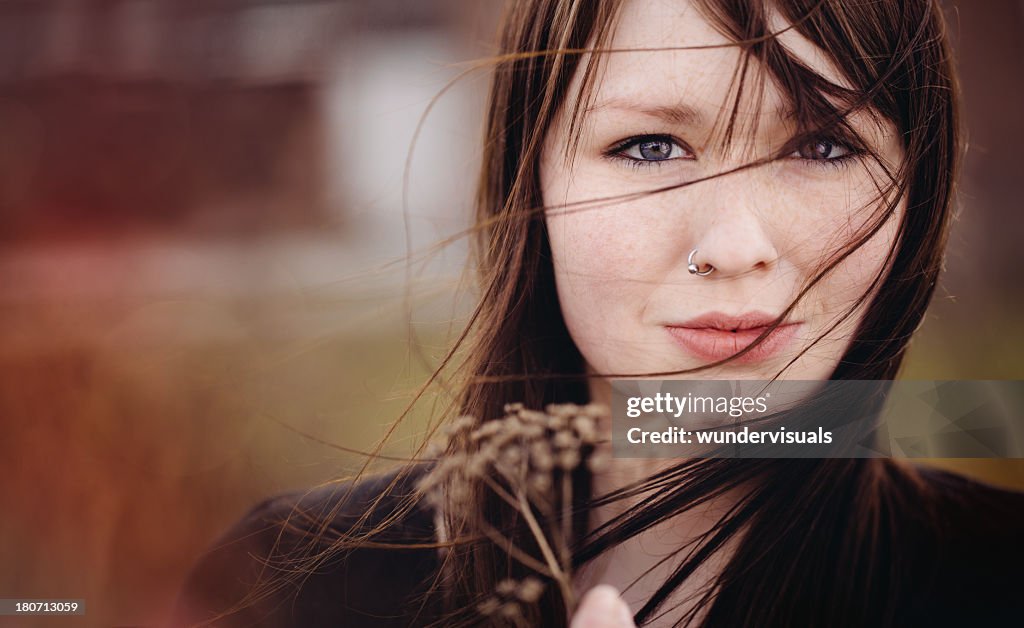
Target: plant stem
545 548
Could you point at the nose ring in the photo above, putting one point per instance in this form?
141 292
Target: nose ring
695 269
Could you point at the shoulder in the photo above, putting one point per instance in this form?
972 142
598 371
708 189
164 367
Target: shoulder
973 544
282 564
961 491
974 512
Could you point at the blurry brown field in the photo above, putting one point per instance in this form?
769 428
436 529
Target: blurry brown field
131 444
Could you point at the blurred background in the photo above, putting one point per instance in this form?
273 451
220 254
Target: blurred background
201 261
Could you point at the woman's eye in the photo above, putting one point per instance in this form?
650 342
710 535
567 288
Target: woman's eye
651 148
822 150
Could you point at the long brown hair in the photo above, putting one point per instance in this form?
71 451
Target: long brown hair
804 517
896 58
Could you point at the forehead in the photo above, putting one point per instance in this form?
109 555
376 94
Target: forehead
702 75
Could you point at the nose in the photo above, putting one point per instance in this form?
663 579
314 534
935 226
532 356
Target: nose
735 240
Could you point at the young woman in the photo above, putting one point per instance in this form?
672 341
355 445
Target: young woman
702 189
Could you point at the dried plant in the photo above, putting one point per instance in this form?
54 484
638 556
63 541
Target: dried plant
527 458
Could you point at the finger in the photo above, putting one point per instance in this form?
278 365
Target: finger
603 607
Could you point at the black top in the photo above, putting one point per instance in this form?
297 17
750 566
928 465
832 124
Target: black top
370 586
979 561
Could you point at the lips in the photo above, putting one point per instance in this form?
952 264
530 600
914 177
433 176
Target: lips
717 336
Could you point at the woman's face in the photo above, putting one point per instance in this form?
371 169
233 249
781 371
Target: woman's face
628 299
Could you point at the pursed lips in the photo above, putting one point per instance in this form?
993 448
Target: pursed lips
715 336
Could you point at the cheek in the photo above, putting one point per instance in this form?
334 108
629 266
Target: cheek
834 221
597 259
855 275
846 291
611 243
606 266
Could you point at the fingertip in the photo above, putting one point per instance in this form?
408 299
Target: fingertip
605 592
603 606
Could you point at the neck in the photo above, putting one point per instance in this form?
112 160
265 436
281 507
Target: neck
638 566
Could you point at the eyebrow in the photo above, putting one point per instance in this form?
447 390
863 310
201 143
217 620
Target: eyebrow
680 113
675 114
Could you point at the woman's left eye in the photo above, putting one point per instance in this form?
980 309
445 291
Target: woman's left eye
822 150
650 149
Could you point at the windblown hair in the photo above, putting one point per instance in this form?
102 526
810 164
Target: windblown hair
801 518
798 520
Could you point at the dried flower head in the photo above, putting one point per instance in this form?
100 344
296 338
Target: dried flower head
527 458
510 599
529 590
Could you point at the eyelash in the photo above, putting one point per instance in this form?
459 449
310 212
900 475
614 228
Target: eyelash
836 162
615 152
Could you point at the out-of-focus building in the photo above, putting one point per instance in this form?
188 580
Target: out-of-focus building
203 117
156 115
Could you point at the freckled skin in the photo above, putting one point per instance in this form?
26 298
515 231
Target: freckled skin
621 268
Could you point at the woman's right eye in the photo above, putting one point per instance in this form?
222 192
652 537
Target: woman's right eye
650 149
